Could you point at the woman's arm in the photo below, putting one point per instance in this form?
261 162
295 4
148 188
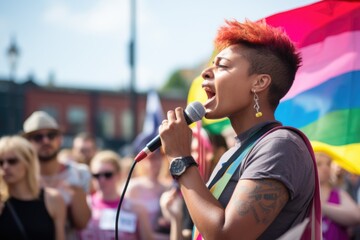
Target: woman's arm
144 223
75 199
347 213
56 207
252 207
171 207
80 212
254 204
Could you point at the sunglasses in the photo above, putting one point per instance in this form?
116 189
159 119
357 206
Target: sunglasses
40 137
106 175
9 161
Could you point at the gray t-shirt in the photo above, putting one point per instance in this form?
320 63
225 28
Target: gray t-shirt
281 155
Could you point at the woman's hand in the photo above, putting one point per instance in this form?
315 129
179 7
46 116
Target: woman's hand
171 204
175 134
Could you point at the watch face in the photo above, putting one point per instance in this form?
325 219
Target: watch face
177 167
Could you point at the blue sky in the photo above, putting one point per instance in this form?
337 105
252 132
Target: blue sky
85 43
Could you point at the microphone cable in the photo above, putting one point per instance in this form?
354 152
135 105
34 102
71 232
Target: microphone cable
121 200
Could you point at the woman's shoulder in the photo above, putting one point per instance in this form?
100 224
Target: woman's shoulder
53 200
134 206
51 193
285 139
138 184
286 132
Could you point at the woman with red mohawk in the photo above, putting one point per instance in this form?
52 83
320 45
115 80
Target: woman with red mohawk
267 183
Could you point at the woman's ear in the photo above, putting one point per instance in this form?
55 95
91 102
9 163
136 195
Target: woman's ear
262 82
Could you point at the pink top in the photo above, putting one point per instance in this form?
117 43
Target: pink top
332 230
102 223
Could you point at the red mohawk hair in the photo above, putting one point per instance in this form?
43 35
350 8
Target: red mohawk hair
273 50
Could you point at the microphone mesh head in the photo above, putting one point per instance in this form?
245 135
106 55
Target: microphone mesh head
195 111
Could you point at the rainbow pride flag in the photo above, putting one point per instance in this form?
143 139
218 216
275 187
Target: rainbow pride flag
324 101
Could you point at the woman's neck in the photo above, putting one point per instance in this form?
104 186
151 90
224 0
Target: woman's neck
20 191
109 196
325 189
243 125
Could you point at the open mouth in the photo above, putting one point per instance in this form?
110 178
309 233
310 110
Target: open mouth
209 93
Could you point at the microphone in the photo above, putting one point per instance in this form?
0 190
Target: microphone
193 113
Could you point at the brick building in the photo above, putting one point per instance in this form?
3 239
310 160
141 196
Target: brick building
106 114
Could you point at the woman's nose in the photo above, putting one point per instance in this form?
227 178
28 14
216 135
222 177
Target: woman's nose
206 73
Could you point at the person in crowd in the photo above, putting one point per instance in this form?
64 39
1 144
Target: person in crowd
273 188
339 210
29 210
146 190
353 189
84 147
230 136
202 151
220 146
65 155
126 163
353 186
134 223
71 179
3 193
172 207
338 175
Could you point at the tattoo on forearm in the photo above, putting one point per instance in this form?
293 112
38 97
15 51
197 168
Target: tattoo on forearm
266 197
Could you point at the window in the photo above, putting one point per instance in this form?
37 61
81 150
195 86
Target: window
52 111
107 124
76 118
126 124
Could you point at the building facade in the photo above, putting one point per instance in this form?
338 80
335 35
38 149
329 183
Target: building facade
106 114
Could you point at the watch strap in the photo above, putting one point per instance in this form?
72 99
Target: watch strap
188 161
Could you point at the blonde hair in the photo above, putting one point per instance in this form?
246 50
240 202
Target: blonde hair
4 194
25 152
107 156
111 157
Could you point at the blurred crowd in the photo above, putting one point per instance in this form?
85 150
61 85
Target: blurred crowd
48 192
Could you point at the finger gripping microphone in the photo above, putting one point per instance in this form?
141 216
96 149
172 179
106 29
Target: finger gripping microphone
194 112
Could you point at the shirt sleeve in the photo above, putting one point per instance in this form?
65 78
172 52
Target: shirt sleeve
281 155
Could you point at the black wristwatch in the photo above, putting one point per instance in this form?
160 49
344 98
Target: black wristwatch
179 165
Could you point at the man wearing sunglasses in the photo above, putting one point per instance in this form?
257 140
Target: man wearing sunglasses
71 179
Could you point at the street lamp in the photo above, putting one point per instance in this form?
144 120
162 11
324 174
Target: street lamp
13 54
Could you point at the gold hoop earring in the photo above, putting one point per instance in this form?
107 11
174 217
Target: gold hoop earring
257 106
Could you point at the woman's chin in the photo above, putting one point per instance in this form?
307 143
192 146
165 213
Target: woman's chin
210 114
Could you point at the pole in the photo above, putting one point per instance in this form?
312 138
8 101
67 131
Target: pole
132 61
